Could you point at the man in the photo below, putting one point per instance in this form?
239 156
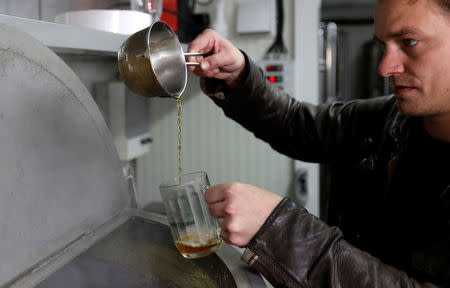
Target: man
395 149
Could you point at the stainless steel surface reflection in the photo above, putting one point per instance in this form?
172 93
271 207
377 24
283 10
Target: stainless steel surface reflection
140 253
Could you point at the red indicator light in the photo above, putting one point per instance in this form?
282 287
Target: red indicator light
274 68
272 79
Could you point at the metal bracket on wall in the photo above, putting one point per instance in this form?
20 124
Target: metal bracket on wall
131 190
301 186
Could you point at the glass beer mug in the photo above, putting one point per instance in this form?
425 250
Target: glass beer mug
194 230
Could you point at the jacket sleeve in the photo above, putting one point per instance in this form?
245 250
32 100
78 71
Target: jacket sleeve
314 133
296 249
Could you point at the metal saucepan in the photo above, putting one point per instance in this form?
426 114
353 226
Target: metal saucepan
152 62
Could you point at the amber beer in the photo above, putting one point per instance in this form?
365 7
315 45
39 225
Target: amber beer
179 105
191 247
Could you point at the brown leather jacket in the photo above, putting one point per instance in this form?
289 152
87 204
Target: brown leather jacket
364 138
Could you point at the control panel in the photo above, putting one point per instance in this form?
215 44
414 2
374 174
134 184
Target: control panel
280 73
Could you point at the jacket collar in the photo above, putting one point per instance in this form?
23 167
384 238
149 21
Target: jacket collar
398 129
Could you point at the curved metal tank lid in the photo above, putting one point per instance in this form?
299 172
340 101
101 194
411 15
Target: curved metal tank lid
60 173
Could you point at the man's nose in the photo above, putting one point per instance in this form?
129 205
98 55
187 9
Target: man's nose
391 64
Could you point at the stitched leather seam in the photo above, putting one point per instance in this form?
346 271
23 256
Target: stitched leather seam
272 267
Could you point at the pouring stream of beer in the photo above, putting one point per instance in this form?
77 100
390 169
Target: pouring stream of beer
178 97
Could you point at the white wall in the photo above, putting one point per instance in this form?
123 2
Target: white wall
307 68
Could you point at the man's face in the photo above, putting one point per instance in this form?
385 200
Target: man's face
417 54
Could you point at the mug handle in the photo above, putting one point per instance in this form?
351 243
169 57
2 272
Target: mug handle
204 188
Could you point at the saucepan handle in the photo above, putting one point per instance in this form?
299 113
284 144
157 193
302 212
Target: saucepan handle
195 54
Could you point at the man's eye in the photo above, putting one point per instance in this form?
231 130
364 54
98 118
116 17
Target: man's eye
410 42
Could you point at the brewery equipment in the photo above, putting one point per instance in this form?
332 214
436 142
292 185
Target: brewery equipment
66 213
